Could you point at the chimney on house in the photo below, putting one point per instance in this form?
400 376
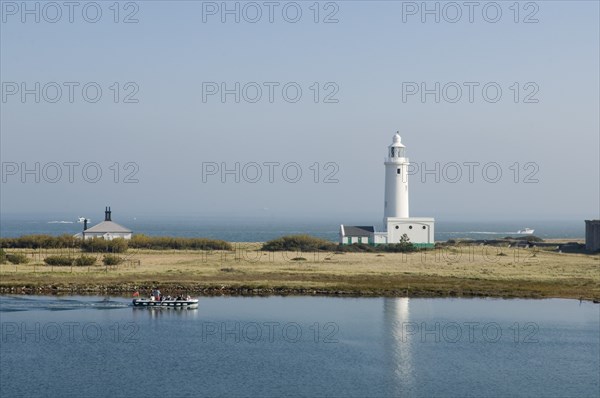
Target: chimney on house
107 216
85 221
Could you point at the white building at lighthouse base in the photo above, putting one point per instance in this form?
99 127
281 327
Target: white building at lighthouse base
420 231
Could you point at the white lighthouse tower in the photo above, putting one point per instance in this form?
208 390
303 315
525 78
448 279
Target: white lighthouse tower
396 219
396 181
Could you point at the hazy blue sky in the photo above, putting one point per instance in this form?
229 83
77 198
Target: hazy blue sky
367 61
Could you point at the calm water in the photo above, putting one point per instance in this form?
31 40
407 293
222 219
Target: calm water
300 346
260 230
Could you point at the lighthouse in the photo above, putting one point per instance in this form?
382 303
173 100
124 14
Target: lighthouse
396 181
396 218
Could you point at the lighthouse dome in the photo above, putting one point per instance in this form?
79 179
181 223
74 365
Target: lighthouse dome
397 140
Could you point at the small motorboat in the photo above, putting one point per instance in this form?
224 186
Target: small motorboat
188 303
526 231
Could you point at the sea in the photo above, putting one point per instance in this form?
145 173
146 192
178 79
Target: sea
261 230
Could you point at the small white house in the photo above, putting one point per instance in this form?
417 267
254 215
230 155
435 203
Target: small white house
356 234
107 229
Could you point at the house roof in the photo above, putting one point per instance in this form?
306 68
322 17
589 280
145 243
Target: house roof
107 227
350 230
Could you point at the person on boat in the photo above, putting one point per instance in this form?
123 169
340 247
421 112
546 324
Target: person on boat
188 298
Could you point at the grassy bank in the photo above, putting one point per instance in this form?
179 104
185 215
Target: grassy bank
452 271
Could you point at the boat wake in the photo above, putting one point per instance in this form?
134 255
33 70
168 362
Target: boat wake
19 303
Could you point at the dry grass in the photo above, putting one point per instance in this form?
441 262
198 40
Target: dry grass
456 271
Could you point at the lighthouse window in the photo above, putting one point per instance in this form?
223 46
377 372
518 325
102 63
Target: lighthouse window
399 170
424 227
397 227
410 227
392 152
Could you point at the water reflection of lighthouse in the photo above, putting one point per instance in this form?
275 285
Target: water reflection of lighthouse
398 349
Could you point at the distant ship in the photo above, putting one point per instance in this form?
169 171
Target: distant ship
526 231
82 219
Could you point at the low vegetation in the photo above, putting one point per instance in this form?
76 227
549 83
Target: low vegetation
59 260
81 261
501 242
528 238
305 243
110 259
99 245
177 243
40 242
17 258
404 246
390 248
85 261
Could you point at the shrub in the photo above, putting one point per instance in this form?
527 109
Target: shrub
85 260
298 243
40 242
66 241
177 243
2 256
357 248
529 238
59 260
404 246
119 245
99 245
17 258
399 248
110 259
298 259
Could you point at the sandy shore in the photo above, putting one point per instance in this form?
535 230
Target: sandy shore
467 271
